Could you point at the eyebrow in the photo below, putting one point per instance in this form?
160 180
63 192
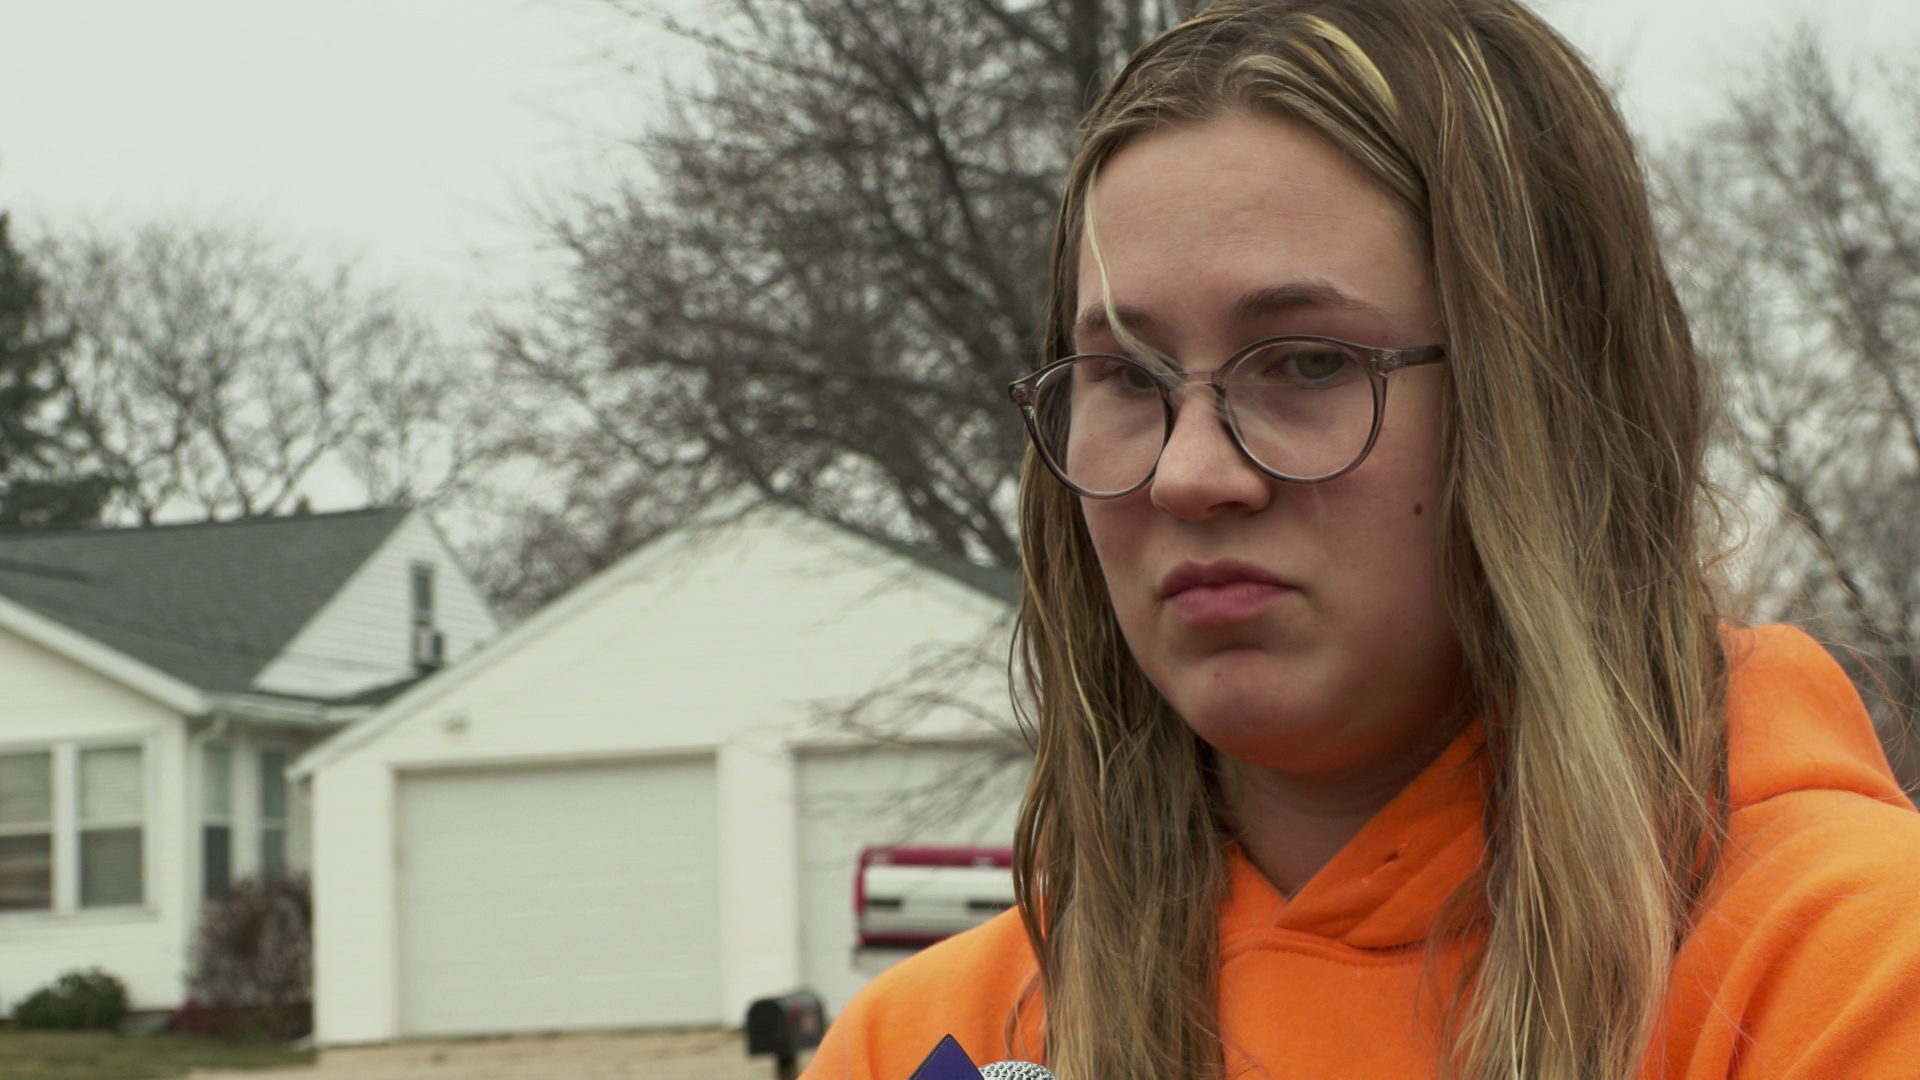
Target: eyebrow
1260 303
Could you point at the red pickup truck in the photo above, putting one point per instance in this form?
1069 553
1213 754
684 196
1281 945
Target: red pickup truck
911 897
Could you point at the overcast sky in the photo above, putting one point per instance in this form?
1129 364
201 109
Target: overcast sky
412 134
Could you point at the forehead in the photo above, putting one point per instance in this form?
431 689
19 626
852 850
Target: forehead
1198 218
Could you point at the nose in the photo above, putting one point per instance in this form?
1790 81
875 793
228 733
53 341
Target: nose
1202 471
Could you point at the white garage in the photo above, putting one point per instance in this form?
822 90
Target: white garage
642 807
542 899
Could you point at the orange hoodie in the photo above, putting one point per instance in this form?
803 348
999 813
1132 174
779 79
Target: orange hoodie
1805 961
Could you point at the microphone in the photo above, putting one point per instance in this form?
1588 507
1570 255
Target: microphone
1015 1070
949 1062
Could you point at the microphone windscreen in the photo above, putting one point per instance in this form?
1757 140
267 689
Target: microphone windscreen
1014 1070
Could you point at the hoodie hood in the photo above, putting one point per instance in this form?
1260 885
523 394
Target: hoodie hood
1794 723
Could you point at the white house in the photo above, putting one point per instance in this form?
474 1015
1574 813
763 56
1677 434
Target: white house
155 683
643 806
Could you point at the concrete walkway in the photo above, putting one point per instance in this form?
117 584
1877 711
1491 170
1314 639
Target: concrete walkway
690 1054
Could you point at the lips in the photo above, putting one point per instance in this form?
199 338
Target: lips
1215 593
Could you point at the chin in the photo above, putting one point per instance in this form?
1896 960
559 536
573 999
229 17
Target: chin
1260 724
1274 740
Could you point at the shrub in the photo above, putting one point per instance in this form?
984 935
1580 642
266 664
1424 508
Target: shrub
78 999
253 963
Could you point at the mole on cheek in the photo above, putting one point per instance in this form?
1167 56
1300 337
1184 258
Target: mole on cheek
1418 509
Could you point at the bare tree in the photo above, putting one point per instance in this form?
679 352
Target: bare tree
830 264
209 372
1796 226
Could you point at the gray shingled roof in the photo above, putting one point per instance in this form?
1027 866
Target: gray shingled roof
209 604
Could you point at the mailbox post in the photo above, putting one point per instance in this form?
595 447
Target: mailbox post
781 1027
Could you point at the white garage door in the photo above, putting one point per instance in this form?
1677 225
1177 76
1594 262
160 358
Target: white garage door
540 899
885 795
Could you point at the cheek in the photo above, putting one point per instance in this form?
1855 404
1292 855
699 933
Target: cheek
1122 531
1394 534
1396 593
1118 536
1402 619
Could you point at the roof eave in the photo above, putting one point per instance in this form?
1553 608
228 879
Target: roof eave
284 712
90 653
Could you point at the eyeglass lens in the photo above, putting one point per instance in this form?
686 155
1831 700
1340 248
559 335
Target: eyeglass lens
1304 410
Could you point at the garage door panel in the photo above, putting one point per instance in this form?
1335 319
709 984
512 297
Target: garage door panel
551 898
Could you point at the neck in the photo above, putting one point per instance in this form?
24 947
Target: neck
1290 825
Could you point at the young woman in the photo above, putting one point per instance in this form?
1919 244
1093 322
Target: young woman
1384 721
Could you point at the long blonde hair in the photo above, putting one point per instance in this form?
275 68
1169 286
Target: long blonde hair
1577 417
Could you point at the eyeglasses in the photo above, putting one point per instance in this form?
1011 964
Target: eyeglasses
1303 409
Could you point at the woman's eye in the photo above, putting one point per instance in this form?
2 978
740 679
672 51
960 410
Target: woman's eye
1317 366
1125 376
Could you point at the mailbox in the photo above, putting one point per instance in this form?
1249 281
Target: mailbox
784 1026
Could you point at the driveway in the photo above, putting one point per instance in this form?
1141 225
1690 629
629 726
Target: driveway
691 1054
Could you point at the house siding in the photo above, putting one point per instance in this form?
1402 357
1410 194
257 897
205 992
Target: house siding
362 637
356 966
48 701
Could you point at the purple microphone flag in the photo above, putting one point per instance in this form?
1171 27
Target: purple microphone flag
947 1062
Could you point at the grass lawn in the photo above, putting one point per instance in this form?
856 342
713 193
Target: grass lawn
91 1055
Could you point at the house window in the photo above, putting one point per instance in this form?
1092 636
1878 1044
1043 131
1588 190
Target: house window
26 832
429 647
216 818
105 789
273 814
422 594
112 812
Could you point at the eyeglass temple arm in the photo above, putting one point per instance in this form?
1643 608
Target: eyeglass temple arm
1390 360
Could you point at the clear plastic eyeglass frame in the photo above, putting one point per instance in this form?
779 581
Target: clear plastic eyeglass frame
1377 363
